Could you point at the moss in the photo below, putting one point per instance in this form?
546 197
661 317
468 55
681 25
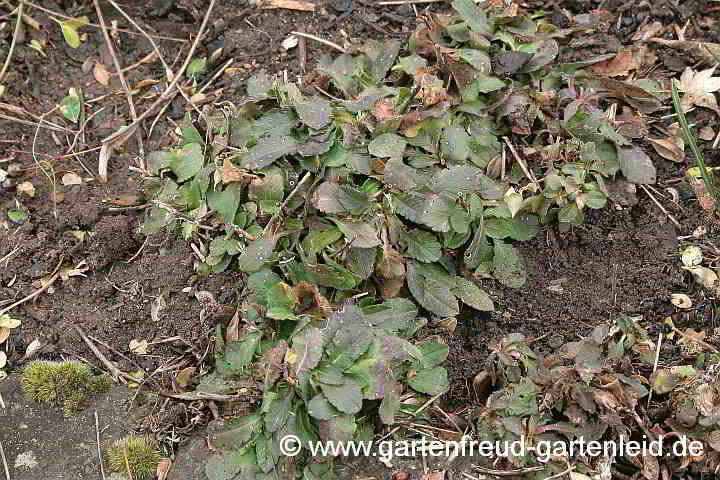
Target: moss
66 384
142 456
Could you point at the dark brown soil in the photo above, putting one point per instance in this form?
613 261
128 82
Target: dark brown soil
136 287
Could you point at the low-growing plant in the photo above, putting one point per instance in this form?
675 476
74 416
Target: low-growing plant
323 377
385 180
65 384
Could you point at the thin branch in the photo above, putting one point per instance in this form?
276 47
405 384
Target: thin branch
111 367
16 34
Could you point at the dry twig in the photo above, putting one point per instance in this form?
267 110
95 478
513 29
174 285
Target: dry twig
111 367
320 40
16 34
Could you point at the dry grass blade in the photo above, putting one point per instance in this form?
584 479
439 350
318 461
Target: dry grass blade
16 34
508 473
408 2
4 460
99 450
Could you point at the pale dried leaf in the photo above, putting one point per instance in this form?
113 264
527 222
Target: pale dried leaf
101 74
672 148
699 88
138 347
71 178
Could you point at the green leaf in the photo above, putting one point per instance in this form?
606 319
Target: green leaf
267 150
196 67
595 199
17 216
434 296
570 213
393 314
187 162
266 454
347 397
472 295
6 321
422 246
237 433
455 145
268 191
487 84
522 227
479 60
190 134
69 30
479 250
306 350
329 275
349 343
71 106
226 202
330 197
319 407
278 412
225 466
433 353
432 381
508 265
338 429
239 354
636 165
257 254
387 145
314 113
474 16
411 64
359 234
437 212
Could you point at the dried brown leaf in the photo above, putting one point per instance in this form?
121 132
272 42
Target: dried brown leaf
101 74
672 148
699 88
621 64
232 173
